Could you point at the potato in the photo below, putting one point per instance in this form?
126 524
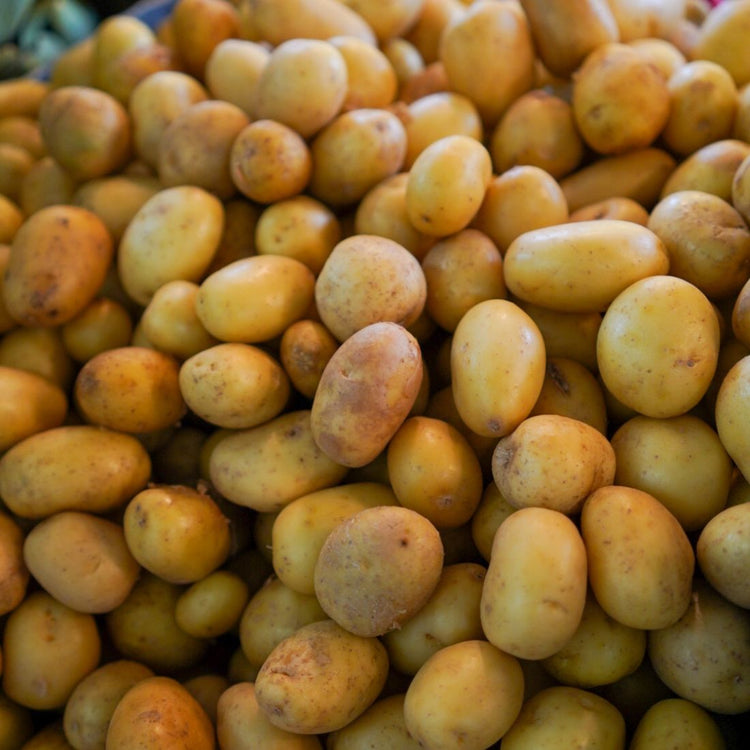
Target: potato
486 370
86 130
658 346
582 266
89 709
625 209
47 649
45 184
14 575
640 561
144 629
535 588
720 38
268 466
447 184
16 726
679 460
30 404
320 678
492 510
206 689
232 71
254 299
234 385
563 718
467 694
103 324
301 527
304 351
15 163
359 574
130 389
366 392
703 657
39 350
11 218
240 724
681 721
58 260
159 712
22 96
213 605
148 523
51 737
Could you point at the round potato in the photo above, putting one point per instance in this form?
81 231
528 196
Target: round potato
14 575
304 351
731 411
38 350
677 720
232 71
213 605
45 184
103 324
720 38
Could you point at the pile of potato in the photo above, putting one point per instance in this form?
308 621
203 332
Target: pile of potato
377 375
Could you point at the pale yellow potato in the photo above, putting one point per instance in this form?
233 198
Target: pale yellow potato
254 299
173 236
144 629
58 260
658 345
148 524
537 129
374 139
492 510
640 561
320 678
232 71
304 351
29 404
371 79
561 717
39 350
677 720
154 103
301 528
213 605
15 163
721 39
723 550
644 19
368 279
14 575
487 369
447 184
678 460
366 391
47 649
600 652
388 20
130 389
241 725
89 709
268 466
159 712
618 207
45 184
11 218
741 126
535 588
704 656
425 33
302 85
469 690
87 131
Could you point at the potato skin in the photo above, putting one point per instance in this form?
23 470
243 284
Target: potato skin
14 575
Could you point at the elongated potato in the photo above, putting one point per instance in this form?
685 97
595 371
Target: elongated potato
732 409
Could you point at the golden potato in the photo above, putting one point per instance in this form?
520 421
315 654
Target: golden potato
16 725
212 605
304 351
492 510
39 350
625 209
22 96
103 324
15 163
206 689
720 39
371 79
679 720
387 21
232 71
11 218
14 575
404 57
45 184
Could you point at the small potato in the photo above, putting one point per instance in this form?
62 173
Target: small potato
29 404
720 39
552 461
268 466
658 346
45 184
101 325
89 709
486 369
405 58
38 350
50 737
22 96
740 196
677 720
11 218
492 510
15 163
304 351
320 678
387 21
535 588
47 649
704 656
366 391
640 560
255 299
238 238
149 520
359 574
58 260
130 389
213 605
368 279
468 690
371 79
14 575
82 560
232 72
625 209
159 712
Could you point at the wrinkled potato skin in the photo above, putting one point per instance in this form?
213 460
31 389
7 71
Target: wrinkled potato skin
14 575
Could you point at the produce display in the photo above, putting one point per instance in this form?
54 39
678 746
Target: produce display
377 375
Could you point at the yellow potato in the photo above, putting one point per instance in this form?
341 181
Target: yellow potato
680 461
14 575
206 689
22 96
320 678
16 725
89 709
720 39
535 588
47 649
387 21
426 32
15 163
492 510
662 53
361 578
268 466
469 690
45 184
404 57
371 79
622 208
658 346
11 218
488 369
213 605
39 350
255 299
148 523
677 720
640 560
740 195
130 389
237 239
58 260
304 351
366 392
158 712
232 71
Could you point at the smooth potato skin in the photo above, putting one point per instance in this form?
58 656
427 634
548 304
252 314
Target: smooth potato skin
14 575
732 408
